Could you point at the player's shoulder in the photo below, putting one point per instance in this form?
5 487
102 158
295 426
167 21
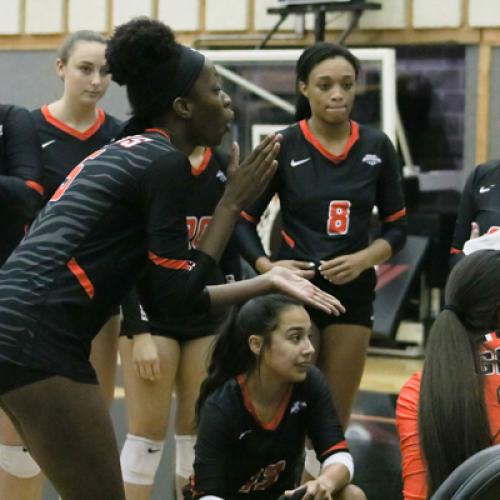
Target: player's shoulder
487 168
112 125
372 134
290 133
227 397
13 114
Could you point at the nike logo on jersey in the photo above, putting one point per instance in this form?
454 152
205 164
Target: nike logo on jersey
243 434
153 450
221 176
296 163
486 189
47 144
297 407
371 160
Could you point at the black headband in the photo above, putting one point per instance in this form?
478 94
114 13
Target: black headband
191 63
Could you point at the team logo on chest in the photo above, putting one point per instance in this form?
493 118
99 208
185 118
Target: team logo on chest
371 160
298 406
221 176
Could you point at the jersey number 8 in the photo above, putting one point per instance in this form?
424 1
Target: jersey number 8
339 212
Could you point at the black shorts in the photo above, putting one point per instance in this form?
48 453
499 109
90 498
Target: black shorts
15 376
356 296
182 328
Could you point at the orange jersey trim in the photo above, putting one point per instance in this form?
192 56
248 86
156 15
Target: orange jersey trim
82 277
288 239
201 167
175 264
35 186
159 131
82 136
454 250
248 217
395 216
336 447
280 412
353 138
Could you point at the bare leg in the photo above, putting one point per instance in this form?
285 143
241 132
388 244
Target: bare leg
11 486
148 403
103 356
69 433
192 371
342 359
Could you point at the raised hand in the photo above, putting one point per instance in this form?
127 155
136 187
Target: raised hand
247 180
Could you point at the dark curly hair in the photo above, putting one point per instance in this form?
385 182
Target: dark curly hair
143 55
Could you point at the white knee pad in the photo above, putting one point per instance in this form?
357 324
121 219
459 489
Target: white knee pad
18 462
312 464
139 459
184 455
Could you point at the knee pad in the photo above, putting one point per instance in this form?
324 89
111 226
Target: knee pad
312 464
18 462
184 455
139 459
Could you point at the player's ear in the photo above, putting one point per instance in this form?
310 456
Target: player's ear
60 68
255 342
182 107
303 89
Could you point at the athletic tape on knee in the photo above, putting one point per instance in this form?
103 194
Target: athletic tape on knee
312 464
184 455
18 462
139 459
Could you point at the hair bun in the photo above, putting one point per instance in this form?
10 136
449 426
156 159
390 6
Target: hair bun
137 47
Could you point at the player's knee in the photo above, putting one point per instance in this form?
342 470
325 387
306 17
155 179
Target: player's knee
139 459
18 462
184 455
351 492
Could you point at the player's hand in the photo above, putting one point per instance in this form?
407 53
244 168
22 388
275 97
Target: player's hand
296 285
145 357
474 231
318 489
343 269
248 179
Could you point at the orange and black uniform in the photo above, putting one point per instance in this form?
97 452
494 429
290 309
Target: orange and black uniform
63 147
480 202
413 464
209 180
239 457
20 171
120 213
326 205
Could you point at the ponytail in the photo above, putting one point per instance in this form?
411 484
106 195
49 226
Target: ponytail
452 415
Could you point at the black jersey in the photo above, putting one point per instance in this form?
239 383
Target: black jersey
63 147
237 456
207 189
327 200
119 211
20 170
480 202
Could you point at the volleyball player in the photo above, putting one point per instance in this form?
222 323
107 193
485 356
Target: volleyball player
332 172
451 411
120 214
261 399
153 365
20 198
479 210
69 129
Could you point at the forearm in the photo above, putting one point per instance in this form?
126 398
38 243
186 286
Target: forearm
220 229
239 291
336 477
376 253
